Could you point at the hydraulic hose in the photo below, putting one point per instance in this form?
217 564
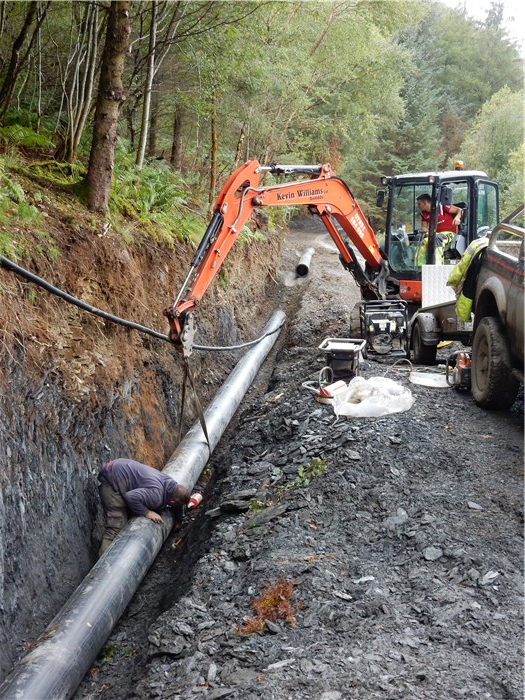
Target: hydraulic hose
68 647
10 265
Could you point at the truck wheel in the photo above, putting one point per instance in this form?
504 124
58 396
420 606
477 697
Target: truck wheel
493 385
422 354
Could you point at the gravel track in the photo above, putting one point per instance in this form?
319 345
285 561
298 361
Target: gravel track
401 563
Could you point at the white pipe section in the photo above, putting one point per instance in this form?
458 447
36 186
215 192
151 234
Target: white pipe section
67 649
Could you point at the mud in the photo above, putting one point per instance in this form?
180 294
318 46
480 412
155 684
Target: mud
396 542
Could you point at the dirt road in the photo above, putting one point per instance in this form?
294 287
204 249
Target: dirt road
386 553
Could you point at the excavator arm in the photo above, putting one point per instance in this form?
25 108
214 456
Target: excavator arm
324 194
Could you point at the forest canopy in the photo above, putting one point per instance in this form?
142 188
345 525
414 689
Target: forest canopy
196 88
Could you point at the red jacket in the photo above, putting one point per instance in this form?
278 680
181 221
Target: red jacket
445 219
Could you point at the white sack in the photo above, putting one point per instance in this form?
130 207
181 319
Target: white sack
370 398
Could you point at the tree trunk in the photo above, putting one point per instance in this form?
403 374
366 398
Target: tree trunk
176 146
2 17
153 125
23 86
130 121
213 163
39 79
6 91
87 85
240 144
111 95
146 104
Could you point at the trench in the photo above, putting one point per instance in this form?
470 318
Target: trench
55 666
123 660
170 577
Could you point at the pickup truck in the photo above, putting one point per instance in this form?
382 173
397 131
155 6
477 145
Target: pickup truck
496 330
497 345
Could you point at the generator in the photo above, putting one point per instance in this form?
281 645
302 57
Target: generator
343 356
384 327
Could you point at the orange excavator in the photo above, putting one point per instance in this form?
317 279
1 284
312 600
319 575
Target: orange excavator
323 193
391 280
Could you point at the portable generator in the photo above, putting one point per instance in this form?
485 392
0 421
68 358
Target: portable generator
384 326
343 356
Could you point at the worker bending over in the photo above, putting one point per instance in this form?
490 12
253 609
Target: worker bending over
128 487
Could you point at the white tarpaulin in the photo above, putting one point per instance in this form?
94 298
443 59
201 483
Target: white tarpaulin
371 398
437 381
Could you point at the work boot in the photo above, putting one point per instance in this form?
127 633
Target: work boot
103 546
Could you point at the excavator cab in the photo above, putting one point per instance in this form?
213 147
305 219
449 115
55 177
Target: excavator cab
407 247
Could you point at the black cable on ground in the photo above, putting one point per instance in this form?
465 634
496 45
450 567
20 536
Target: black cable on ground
10 265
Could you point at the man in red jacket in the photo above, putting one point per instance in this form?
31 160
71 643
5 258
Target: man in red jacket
128 487
449 218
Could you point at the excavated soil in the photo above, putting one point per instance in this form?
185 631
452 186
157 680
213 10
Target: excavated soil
396 572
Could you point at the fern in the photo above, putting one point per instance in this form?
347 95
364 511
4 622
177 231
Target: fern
156 196
27 212
22 136
13 190
44 124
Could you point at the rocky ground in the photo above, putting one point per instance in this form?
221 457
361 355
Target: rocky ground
334 559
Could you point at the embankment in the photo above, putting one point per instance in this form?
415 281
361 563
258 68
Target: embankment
76 391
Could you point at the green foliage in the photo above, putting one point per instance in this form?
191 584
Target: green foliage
314 469
13 190
372 87
112 650
14 209
496 132
27 212
8 245
473 60
495 143
256 505
223 278
157 196
57 173
306 474
21 224
27 118
22 136
512 194
246 237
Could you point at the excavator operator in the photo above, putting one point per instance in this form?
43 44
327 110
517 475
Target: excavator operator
449 218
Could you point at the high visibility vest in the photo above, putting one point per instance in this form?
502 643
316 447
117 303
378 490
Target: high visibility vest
463 277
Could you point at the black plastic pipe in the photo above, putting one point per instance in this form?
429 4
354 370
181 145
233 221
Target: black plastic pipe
67 649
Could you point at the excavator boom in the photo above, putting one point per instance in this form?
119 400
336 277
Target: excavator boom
324 194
